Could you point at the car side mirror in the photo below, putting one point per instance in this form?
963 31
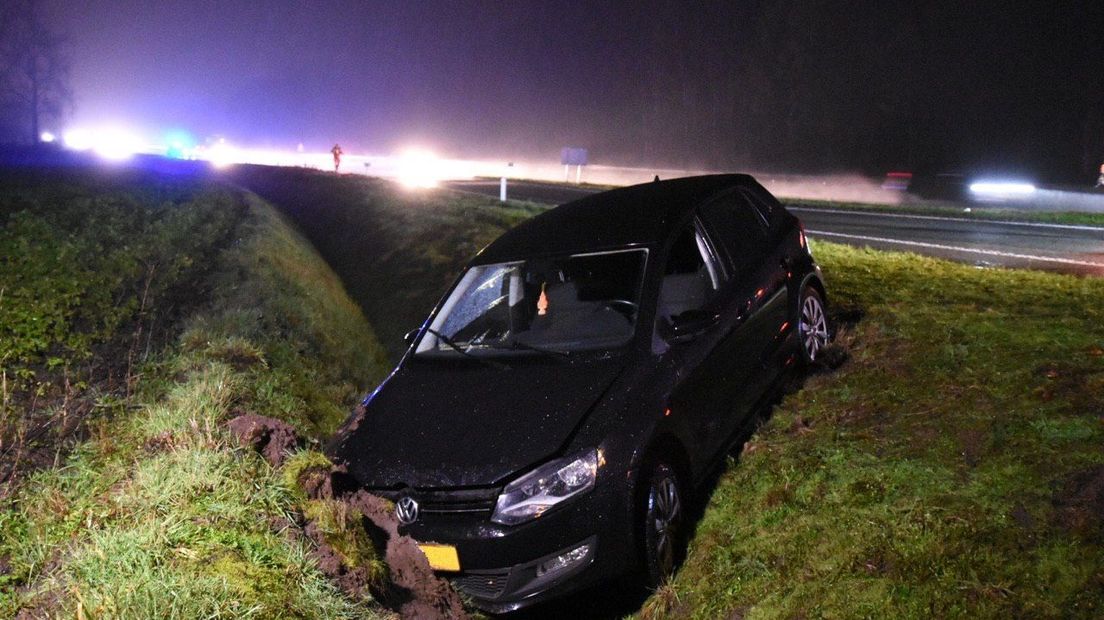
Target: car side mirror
688 325
409 336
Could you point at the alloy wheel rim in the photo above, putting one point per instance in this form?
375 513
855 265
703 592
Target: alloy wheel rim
666 515
814 327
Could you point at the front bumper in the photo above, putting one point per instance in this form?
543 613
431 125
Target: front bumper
504 568
508 589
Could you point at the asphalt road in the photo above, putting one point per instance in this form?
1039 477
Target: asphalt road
1050 247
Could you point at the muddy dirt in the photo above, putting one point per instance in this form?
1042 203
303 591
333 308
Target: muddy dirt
414 590
273 438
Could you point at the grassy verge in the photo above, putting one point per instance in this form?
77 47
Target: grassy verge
95 272
952 468
158 513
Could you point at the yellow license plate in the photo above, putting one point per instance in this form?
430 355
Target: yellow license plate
441 557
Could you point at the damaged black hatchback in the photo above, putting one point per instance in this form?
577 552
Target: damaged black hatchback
582 377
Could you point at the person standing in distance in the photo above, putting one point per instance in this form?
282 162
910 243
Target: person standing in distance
337 152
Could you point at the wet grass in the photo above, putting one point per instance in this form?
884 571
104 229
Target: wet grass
946 470
96 270
157 512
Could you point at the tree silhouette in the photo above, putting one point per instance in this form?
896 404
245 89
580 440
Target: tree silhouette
34 72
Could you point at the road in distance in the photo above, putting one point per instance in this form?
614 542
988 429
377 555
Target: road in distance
1050 247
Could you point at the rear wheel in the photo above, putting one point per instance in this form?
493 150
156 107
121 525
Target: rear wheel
664 524
812 325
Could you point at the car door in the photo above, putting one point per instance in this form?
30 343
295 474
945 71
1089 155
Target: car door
757 290
700 317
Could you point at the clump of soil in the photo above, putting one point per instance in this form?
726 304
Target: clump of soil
1079 503
273 438
414 590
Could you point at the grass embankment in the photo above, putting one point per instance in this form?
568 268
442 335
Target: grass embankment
157 512
951 468
397 251
93 267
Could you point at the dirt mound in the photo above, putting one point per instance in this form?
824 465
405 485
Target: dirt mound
414 590
1079 503
273 438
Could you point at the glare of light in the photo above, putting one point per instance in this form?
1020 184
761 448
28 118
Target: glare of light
115 144
221 154
179 145
78 139
1002 188
47 137
418 168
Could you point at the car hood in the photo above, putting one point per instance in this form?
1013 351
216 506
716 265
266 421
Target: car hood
459 423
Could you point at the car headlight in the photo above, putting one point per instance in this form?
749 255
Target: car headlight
531 495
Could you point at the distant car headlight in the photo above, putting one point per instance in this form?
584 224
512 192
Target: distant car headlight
531 495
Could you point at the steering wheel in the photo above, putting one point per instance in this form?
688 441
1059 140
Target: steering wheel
621 306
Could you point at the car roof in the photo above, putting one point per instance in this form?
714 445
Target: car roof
636 215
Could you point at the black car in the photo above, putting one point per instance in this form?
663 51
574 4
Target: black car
583 375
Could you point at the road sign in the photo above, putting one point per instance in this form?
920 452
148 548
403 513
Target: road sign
571 156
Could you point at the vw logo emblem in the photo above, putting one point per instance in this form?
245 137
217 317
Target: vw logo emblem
407 510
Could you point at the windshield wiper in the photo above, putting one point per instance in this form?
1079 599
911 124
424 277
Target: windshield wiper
455 347
517 344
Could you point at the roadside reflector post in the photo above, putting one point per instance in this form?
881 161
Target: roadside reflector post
502 183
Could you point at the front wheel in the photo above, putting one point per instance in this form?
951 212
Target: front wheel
812 325
664 524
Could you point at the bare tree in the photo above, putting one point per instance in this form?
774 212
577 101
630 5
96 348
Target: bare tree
34 70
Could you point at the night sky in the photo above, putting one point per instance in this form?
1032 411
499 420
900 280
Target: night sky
764 85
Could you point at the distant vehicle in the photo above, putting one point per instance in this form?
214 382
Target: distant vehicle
897 181
581 379
941 186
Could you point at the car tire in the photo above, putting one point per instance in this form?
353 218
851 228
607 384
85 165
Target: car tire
812 325
663 523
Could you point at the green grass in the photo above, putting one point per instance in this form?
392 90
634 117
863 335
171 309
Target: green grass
920 479
95 271
158 513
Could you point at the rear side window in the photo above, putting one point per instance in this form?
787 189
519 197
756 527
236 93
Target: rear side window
738 231
692 275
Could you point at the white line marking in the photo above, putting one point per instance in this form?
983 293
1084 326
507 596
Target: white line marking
954 248
947 219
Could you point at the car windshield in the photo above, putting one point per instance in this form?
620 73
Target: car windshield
559 304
